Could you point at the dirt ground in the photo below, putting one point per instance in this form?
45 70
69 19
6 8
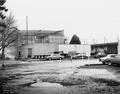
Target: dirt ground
60 77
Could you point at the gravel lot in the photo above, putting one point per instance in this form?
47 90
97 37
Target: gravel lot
59 77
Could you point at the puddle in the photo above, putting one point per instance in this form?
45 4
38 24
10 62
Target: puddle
46 84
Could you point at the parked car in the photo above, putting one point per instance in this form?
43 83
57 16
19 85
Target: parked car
99 55
80 56
54 56
103 59
113 60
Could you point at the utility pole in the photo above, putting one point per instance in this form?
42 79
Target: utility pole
84 41
93 41
117 38
27 28
104 39
118 44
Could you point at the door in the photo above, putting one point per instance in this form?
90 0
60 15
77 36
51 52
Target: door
29 52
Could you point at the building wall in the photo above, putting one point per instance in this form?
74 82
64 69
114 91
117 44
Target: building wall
66 48
47 49
44 49
56 37
42 39
108 48
39 42
39 49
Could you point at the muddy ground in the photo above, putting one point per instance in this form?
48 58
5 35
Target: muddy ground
60 77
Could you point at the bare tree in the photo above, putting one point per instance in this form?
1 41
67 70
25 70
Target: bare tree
8 33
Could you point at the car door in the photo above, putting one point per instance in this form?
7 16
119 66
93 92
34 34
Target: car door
55 56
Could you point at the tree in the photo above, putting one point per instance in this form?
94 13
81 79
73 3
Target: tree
8 33
2 9
75 40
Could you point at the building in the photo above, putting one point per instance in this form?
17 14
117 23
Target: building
75 48
39 43
108 48
41 36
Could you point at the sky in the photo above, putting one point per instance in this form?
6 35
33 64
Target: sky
91 20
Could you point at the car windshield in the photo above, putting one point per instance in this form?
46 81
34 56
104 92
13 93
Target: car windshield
113 55
101 54
79 54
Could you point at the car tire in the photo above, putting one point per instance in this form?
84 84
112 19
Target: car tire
103 63
50 58
60 58
109 63
100 60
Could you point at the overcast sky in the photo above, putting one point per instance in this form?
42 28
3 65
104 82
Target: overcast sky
88 19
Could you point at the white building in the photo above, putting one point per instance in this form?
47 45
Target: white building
83 49
39 42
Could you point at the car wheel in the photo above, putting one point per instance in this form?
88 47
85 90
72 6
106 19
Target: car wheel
99 60
109 63
60 58
50 58
103 63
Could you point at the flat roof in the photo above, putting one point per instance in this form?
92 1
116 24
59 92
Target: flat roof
101 44
41 32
